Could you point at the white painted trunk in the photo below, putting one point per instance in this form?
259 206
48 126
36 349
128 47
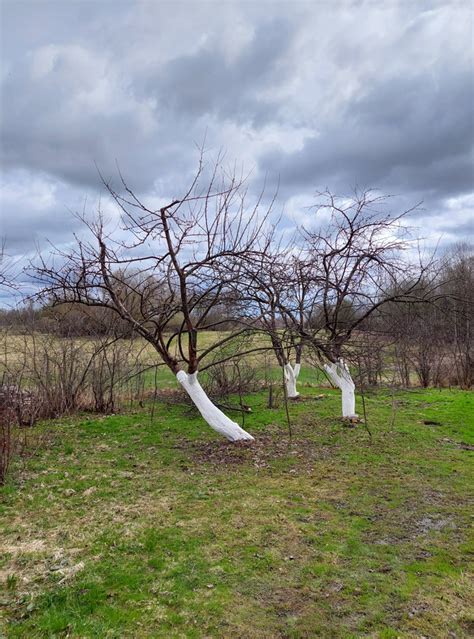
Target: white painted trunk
211 414
340 376
291 375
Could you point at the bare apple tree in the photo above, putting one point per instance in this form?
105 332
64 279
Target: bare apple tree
267 282
355 263
167 272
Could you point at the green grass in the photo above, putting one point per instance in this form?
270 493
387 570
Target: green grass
125 527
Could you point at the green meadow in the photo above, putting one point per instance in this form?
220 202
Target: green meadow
138 525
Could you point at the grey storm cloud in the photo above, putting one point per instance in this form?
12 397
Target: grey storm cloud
57 122
306 94
414 134
207 83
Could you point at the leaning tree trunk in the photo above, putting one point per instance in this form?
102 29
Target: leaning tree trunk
340 376
211 414
291 375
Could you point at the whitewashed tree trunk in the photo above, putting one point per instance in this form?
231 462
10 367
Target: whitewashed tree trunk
291 375
211 414
340 376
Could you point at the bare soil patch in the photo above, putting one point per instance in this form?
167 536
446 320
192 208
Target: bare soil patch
259 453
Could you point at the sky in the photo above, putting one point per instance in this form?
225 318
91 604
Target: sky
304 95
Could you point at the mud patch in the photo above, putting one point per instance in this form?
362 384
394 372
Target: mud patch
287 601
427 524
457 444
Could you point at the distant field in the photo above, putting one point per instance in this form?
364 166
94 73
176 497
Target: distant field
13 346
127 526
17 349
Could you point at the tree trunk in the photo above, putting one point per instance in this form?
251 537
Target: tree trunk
210 413
291 375
340 376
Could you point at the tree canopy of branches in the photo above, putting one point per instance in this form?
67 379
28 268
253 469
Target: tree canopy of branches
347 269
169 272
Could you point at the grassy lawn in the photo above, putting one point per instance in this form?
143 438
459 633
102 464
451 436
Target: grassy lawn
127 526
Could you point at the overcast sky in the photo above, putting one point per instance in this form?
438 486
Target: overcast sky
314 94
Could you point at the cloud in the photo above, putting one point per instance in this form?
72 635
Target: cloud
404 134
36 209
69 111
307 94
238 89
